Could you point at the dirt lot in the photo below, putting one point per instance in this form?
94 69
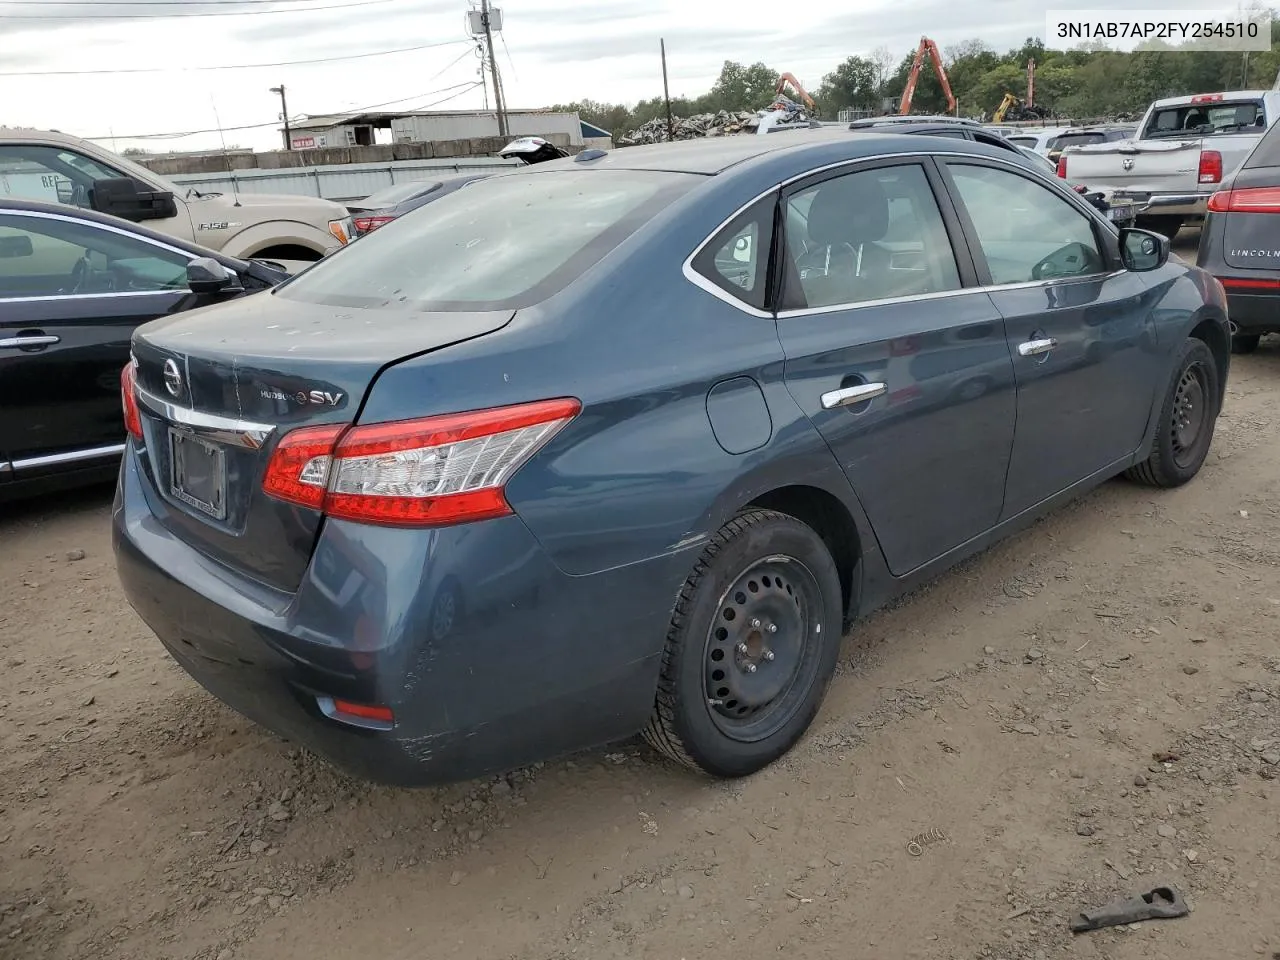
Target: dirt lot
1085 711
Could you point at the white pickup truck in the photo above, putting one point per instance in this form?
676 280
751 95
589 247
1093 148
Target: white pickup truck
54 167
1184 148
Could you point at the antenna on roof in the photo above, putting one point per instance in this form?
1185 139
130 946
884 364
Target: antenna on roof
235 195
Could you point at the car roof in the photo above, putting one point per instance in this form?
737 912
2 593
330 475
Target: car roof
713 155
8 204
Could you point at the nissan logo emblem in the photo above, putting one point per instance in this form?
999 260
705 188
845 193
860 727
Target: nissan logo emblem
172 378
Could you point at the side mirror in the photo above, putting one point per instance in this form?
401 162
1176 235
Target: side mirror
120 197
16 246
1142 250
206 275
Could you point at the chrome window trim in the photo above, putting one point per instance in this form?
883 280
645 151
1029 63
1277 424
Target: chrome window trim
703 283
209 426
73 456
107 228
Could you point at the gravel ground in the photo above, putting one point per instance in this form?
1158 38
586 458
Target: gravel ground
1085 711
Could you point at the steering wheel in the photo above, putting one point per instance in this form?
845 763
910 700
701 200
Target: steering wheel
826 260
79 274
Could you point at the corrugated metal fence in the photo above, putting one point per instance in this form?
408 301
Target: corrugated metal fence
344 183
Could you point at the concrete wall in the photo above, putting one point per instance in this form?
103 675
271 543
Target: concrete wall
383 153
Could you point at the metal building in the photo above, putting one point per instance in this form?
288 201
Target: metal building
350 130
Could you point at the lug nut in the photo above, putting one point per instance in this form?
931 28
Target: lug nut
755 621
768 654
742 648
751 668
773 628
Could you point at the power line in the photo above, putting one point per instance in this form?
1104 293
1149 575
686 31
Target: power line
142 3
185 16
232 66
471 85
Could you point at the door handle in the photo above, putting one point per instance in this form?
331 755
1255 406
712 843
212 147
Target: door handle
1033 348
846 396
19 343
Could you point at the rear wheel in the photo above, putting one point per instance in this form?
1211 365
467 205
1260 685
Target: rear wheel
1187 420
1245 342
751 649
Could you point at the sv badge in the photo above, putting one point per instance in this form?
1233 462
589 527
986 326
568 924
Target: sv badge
320 398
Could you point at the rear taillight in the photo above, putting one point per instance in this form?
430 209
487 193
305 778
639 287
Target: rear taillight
1210 166
129 400
365 224
417 473
1062 167
1247 200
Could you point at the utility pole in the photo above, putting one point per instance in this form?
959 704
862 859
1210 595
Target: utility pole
666 93
498 102
284 115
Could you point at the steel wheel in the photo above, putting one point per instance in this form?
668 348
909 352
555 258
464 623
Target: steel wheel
1190 413
759 649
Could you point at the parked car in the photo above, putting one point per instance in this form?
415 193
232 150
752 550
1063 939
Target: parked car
384 206
1038 139
54 167
1090 135
532 150
639 475
1185 147
73 285
1240 243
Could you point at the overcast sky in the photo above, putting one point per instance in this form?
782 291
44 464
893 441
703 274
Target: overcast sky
550 50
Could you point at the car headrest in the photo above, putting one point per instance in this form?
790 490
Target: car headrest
852 209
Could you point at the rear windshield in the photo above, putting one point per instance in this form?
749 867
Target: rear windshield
1205 119
400 192
1025 141
503 243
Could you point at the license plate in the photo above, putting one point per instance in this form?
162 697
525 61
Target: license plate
198 474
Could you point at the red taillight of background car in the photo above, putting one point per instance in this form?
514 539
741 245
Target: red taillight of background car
129 400
1210 166
368 224
1246 200
1062 166
414 473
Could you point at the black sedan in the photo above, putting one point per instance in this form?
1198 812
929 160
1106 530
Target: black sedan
73 286
395 201
1240 243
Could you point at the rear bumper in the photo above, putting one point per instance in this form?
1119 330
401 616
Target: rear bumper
1254 311
1167 204
489 655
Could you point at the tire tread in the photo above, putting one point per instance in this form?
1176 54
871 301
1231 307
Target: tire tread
661 733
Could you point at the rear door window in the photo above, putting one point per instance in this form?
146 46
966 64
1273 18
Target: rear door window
503 243
870 235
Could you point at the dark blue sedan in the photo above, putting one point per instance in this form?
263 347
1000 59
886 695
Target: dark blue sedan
626 443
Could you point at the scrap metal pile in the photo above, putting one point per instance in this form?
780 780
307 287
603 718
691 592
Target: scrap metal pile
783 111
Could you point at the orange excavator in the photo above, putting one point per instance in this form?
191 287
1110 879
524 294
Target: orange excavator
909 92
789 79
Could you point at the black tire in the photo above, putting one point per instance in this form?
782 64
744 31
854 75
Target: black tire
1166 225
1187 419
1245 342
714 710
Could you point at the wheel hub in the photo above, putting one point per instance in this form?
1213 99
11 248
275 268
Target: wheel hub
1189 409
756 644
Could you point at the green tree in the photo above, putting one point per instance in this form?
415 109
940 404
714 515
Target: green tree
852 84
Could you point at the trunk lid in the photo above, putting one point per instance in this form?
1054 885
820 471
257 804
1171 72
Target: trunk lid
220 386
